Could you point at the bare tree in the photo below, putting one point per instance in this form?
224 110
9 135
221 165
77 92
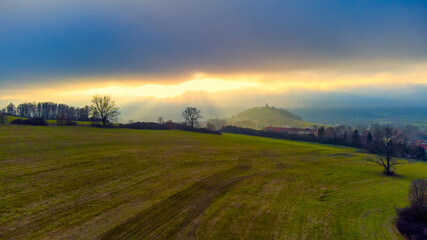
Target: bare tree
418 193
191 116
160 120
384 145
94 113
210 126
61 119
217 123
106 107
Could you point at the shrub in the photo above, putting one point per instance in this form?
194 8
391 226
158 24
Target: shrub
17 121
95 124
145 125
37 122
210 126
31 121
185 127
99 125
412 223
70 123
167 126
418 193
412 220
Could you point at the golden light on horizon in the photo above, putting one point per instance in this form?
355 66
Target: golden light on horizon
127 89
164 90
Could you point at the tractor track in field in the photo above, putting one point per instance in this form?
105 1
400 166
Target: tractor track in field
166 218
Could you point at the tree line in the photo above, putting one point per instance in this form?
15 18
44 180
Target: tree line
51 110
103 109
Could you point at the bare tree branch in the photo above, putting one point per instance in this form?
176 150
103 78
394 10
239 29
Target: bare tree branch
106 107
191 116
385 146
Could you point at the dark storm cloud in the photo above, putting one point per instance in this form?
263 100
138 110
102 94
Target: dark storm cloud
48 39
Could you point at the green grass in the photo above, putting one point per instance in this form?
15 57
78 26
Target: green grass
84 123
261 117
10 118
86 183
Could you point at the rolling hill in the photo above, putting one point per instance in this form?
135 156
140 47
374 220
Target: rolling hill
260 117
90 183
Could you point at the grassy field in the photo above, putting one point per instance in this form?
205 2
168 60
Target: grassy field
89 183
84 123
10 118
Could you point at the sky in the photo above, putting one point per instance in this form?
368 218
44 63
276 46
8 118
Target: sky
228 54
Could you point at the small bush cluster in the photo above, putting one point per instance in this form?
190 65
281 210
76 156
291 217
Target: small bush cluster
71 123
99 125
167 126
145 125
412 220
31 121
184 127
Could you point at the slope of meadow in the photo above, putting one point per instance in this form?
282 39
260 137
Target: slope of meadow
86 183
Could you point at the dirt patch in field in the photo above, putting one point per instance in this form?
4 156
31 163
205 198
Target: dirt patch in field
166 218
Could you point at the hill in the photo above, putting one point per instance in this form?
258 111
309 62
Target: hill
260 117
82 182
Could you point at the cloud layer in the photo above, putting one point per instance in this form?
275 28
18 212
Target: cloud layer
227 53
54 41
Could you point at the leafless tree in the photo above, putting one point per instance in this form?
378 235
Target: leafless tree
217 123
210 126
384 145
418 193
61 119
106 107
160 120
191 116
